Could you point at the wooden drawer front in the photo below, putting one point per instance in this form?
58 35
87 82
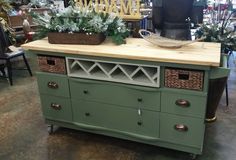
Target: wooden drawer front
53 84
183 104
56 108
118 94
116 118
180 130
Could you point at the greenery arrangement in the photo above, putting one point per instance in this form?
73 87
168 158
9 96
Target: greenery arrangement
219 32
215 33
5 6
76 20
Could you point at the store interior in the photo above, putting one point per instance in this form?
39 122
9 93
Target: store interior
25 132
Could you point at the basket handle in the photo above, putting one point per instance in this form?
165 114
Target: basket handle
141 31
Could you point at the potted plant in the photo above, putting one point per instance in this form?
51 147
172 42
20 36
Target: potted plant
81 26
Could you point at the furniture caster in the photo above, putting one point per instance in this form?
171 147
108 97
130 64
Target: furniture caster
50 129
193 156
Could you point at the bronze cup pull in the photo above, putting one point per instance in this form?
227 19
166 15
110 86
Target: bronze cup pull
56 106
53 85
87 114
139 123
181 127
85 91
182 103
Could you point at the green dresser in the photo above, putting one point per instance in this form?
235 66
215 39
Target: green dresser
158 98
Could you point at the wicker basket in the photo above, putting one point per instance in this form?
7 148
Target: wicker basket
52 64
75 38
184 79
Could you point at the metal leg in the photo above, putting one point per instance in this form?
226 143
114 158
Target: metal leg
9 71
3 72
226 94
27 65
193 156
50 129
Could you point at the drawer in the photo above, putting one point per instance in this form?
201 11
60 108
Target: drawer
182 130
114 93
56 108
53 84
183 104
116 118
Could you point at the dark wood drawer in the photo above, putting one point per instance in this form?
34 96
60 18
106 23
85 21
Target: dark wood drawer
53 84
113 93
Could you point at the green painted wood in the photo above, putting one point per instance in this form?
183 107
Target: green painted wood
116 118
219 72
115 93
49 112
61 80
113 107
161 143
192 137
196 107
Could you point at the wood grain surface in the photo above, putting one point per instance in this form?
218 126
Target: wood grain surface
198 53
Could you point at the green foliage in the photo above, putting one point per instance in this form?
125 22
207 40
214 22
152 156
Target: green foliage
5 5
217 33
73 19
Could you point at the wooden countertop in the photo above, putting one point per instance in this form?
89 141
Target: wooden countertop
198 53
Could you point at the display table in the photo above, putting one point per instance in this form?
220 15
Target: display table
134 91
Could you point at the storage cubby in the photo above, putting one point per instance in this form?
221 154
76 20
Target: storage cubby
131 73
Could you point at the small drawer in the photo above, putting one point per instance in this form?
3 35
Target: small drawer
182 130
118 94
113 117
52 64
184 79
183 104
53 84
56 108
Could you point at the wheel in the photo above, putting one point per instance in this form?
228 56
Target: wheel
50 129
193 156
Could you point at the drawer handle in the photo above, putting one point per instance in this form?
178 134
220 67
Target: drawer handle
182 103
85 92
140 99
56 106
87 114
181 127
53 85
139 123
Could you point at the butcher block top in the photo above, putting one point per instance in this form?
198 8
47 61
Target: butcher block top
197 53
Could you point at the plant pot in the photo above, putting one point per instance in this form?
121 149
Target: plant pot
217 83
75 38
216 88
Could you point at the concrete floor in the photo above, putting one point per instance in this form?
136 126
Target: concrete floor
24 136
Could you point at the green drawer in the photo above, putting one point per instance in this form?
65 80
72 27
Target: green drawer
182 130
56 108
183 104
53 84
114 93
116 118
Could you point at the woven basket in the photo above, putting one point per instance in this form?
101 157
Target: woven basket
184 79
75 38
52 64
